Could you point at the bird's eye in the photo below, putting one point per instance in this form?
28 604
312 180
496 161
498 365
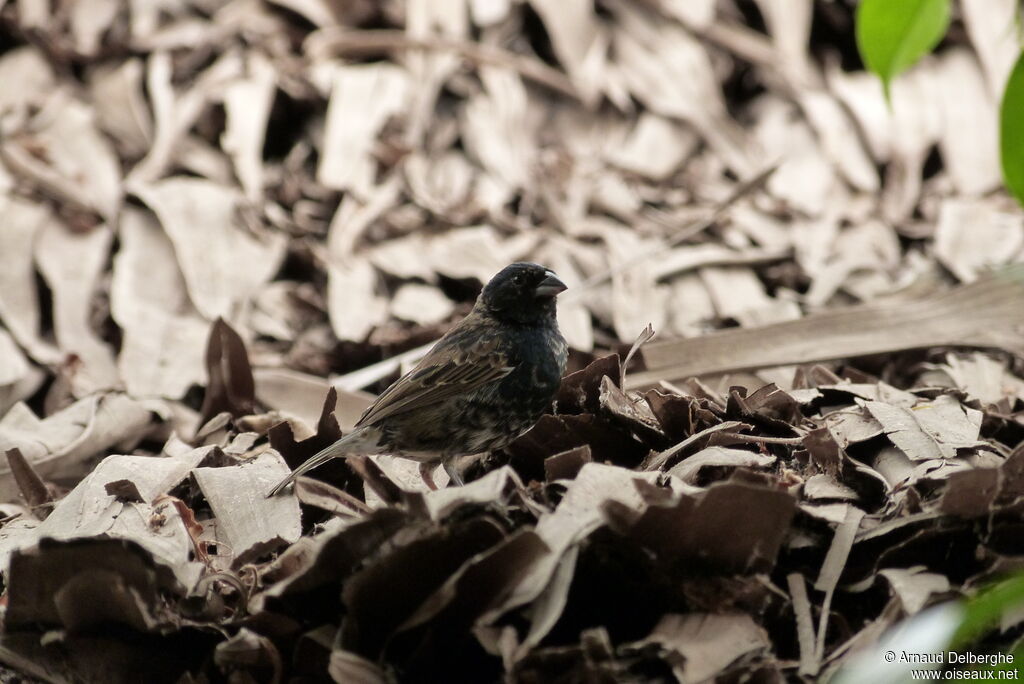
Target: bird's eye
518 280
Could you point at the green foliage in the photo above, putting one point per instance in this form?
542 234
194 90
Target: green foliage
1011 131
893 34
984 611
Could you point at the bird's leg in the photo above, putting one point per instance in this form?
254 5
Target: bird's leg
426 472
453 472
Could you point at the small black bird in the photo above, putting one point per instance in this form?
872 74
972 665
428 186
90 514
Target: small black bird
483 384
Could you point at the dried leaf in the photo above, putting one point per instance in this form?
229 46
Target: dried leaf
80 166
82 584
362 98
153 525
57 444
121 107
199 218
969 142
13 366
161 353
971 493
996 47
354 305
230 385
914 586
298 394
32 487
933 430
688 470
731 527
578 41
72 264
972 235
29 78
496 128
656 147
247 105
248 522
707 643
19 302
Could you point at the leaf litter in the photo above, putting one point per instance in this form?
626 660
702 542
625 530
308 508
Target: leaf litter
228 225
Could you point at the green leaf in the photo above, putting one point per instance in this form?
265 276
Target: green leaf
1011 131
984 611
893 34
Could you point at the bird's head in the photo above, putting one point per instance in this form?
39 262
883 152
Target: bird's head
522 293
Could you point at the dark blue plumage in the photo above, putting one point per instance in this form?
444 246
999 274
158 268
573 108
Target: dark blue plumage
483 384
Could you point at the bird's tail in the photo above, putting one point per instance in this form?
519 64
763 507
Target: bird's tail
352 443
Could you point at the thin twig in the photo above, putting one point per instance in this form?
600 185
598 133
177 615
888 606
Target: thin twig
795 441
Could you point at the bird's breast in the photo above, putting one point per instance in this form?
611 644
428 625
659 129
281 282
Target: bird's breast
541 356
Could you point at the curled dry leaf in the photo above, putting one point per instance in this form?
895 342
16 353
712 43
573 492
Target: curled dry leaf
153 524
669 70
86 583
688 470
230 386
441 184
637 301
707 643
32 487
914 586
805 178
579 42
997 50
981 376
58 444
421 305
656 147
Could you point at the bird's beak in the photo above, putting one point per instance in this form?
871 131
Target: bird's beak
550 286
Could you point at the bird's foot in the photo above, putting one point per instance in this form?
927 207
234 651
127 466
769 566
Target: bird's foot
427 473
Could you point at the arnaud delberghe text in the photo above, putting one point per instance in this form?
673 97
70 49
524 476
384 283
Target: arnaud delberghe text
957 658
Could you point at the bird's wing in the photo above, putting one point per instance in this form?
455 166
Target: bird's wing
461 361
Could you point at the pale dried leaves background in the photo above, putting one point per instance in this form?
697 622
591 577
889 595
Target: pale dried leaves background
335 192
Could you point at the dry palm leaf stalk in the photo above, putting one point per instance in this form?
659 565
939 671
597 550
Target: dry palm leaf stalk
986 313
